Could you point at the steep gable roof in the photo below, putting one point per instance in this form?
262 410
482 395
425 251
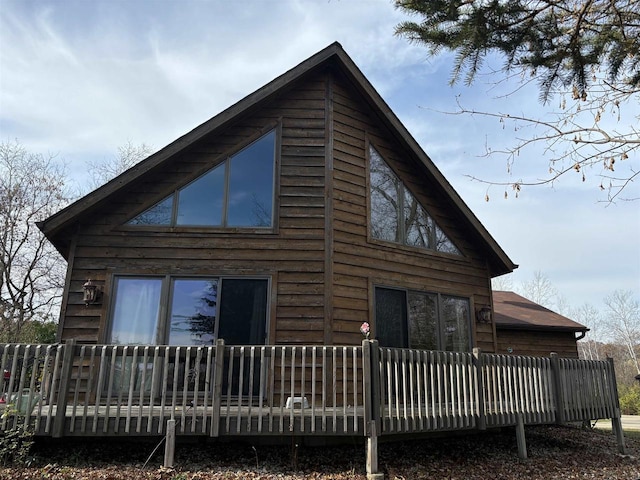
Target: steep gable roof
515 312
332 56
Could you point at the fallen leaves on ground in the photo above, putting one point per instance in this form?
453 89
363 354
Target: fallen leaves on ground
554 453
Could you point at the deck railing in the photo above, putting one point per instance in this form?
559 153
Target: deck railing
219 390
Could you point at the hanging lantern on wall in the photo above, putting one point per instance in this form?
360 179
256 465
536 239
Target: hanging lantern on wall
90 292
483 315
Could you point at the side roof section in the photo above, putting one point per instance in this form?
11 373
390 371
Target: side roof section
332 56
513 311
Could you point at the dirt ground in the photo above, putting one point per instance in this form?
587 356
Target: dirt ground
554 453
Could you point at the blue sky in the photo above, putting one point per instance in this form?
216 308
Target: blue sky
80 78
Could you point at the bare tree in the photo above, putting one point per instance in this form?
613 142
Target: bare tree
623 322
32 187
583 54
591 347
540 290
503 283
128 155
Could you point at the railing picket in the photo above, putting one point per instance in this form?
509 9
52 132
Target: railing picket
272 380
165 387
345 383
240 390
354 353
292 388
324 389
334 369
186 373
154 385
313 388
261 388
196 390
282 397
229 388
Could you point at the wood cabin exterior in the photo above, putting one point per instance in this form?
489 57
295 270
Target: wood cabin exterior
526 328
236 267
328 253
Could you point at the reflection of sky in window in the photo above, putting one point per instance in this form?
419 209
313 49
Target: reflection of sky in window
193 312
250 200
136 311
200 202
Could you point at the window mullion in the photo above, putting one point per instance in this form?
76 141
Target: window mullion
174 208
162 334
225 197
216 326
401 220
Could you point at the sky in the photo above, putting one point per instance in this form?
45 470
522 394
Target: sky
78 79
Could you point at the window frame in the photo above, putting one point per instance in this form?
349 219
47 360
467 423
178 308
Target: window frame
440 321
162 331
222 161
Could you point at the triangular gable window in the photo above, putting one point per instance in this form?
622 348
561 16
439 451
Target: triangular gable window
239 192
396 214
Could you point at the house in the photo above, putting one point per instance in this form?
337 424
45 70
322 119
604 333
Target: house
221 287
525 328
292 217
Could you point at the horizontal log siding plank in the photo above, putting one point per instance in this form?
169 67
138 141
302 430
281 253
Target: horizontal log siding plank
535 343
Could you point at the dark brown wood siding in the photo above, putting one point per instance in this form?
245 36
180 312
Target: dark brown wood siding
292 254
360 262
319 256
536 343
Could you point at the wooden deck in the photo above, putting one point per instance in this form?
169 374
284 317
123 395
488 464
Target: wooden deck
365 390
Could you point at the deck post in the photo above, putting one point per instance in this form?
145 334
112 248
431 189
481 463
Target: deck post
372 453
478 364
63 388
558 388
170 444
371 375
520 438
616 423
218 373
375 384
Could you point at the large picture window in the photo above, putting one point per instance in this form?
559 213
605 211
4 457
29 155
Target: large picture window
239 192
396 214
420 320
188 311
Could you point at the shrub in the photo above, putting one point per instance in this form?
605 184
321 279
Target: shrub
629 399
15 446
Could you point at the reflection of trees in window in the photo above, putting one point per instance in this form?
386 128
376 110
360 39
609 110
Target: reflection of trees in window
455 320
426 321
202 323
391 315
159 214
193 311
397 215
261 213
423 319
